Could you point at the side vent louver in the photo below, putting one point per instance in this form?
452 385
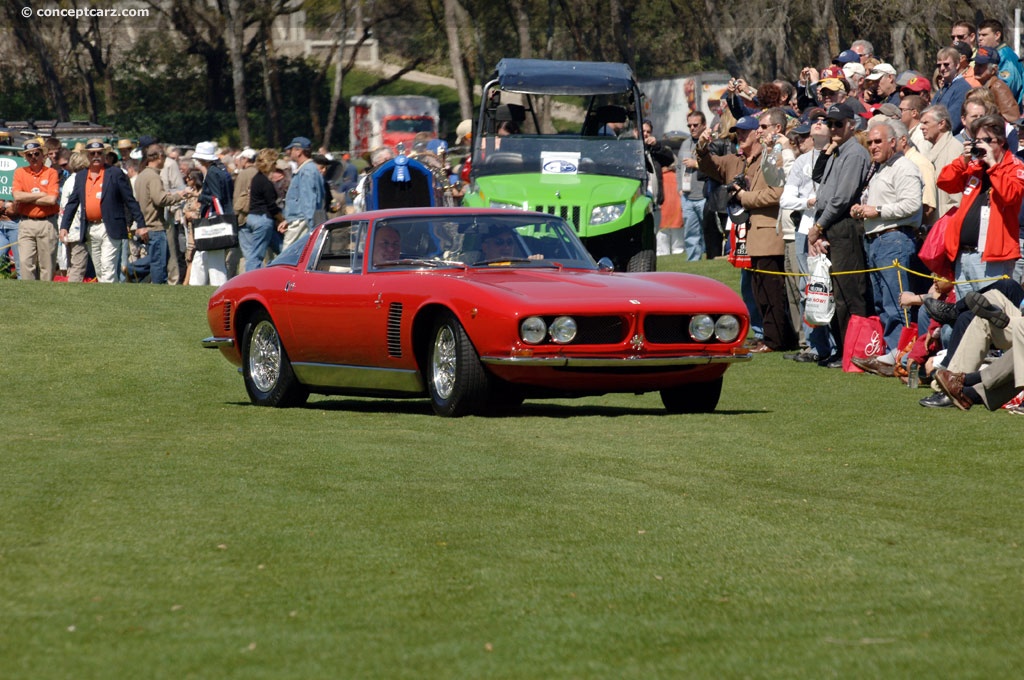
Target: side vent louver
227 317
395 330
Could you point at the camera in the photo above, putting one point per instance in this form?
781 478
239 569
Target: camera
738 183
976 151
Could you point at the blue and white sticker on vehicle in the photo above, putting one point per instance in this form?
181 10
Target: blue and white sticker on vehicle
559 162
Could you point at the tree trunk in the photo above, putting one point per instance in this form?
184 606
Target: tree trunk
269 65
235 26
336 83
27 33
451 26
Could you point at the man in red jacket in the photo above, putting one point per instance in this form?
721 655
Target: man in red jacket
983 237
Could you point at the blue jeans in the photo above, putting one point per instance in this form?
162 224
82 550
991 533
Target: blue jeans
9 236
747 293
153 263
157 252
970 267
693 228
253 238
886 285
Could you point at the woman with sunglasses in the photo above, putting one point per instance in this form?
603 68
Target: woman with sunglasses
983 238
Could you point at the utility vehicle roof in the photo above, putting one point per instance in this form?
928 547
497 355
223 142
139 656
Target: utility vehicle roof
543 76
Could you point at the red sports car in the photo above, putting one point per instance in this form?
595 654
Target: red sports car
475 309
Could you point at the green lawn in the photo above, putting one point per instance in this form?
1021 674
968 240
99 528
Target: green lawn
156 525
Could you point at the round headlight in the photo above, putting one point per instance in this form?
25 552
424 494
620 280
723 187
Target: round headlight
702 327
533 330
727 328
563 329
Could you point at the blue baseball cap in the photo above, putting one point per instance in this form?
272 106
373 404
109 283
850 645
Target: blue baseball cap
846 57
746 123
301 142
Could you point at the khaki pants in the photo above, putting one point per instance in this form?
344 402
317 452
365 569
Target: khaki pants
980 334
37 248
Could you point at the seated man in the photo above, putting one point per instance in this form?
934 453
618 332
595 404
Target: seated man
503 243
997 321
387 245
499 243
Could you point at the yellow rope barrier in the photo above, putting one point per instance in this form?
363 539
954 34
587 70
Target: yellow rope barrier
895 265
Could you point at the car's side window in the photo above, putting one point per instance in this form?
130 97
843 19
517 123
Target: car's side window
341 249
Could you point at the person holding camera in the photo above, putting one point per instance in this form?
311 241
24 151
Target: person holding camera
983 237
743 173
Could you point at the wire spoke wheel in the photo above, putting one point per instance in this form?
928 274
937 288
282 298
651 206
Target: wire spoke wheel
455 377
265 356
268 374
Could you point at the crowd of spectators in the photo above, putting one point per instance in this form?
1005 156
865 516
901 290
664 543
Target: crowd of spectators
855 161
126 212
858 161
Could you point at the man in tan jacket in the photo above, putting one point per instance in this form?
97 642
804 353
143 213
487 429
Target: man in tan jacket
743 173
149 192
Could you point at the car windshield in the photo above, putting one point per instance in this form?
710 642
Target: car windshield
560 154
290 255
471 239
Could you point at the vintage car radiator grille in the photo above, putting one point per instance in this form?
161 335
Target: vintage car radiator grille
227 317
395 329
667 329
600 330
570 214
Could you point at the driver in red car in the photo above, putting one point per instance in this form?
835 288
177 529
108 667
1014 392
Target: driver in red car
387 245
502 243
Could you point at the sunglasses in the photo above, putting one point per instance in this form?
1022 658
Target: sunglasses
32 154
692 125
958 38
94 153
875 142
503 241
834 124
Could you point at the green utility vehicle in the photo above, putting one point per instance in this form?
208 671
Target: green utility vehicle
595 177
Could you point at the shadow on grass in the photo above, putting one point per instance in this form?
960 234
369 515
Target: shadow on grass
533 409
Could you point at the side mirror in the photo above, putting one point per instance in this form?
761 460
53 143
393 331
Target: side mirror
605 265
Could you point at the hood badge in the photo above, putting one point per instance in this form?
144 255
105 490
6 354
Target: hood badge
637 341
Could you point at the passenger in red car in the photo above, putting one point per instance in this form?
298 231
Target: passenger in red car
387 245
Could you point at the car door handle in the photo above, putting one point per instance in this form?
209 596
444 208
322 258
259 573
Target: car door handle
288 286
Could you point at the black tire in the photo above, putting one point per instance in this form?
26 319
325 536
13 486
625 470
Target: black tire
268 374
643 261
693 398
455 377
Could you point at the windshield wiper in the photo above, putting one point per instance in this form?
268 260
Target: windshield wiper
414 261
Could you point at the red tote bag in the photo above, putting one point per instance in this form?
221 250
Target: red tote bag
863 339
933 250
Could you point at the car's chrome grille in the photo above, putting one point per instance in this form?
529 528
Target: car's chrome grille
395 330
227 317
570 214
671 329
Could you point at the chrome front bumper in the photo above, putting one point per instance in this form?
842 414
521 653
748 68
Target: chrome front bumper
215 342
624 363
